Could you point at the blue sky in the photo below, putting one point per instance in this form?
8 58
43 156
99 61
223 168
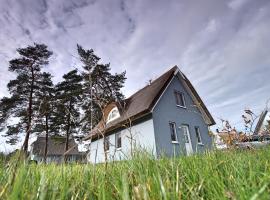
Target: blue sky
222 46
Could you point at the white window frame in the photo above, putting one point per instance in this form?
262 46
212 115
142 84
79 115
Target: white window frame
182 96
198 135
175 133
110 118
118 135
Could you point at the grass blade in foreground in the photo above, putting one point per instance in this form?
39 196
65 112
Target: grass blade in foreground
216 175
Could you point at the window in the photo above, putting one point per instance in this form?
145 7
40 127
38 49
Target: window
198 135
118 140
114 113
106 144
173 132
180 99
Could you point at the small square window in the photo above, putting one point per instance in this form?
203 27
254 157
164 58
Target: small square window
106 144
198 135
180 99
118 140
173 132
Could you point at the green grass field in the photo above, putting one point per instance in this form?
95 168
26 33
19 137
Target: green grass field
216 175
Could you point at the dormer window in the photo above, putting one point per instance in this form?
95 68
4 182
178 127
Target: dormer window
114 114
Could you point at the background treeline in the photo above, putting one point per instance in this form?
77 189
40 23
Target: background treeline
37 105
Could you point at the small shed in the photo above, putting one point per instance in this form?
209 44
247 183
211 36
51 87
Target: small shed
56 150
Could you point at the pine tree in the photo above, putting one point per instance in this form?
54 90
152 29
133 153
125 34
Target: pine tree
104 86
46 112
23 91
69 97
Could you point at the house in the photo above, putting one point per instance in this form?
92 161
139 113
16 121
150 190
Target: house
166 117
56 150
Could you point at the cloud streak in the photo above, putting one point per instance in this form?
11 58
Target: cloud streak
222 46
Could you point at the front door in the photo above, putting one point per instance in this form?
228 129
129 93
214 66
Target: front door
187 139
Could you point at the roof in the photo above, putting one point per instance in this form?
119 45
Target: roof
56 146
142 102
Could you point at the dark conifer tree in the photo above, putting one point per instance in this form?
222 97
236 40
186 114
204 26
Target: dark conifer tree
69 97
46 111
105 87
23 90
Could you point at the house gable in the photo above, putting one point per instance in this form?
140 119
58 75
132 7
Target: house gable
188 87
166 111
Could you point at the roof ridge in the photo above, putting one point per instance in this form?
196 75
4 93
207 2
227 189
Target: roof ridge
173 68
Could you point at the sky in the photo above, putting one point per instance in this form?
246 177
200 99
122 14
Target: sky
222 46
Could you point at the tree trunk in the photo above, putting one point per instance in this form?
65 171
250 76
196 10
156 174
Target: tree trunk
68 130
46 139
30 111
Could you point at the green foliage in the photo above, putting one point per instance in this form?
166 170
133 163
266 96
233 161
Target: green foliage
214 175
46 104
38 106
69 98
106 87
23 90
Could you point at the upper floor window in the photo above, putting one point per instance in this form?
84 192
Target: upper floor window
118 140
180 99
106 144
114 114
173 132
198 135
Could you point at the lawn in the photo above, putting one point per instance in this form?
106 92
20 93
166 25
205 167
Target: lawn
233 174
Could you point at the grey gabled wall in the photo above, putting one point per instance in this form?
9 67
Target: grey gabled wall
166 111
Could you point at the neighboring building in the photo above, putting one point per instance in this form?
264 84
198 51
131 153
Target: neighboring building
56 150
166 117
261 125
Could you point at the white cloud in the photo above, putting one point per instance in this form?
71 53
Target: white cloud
211 26
237 4
222 47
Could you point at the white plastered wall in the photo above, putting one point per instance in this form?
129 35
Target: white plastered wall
143 138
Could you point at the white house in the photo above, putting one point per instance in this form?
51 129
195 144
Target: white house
166 117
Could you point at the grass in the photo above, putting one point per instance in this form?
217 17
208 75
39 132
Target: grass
216 175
